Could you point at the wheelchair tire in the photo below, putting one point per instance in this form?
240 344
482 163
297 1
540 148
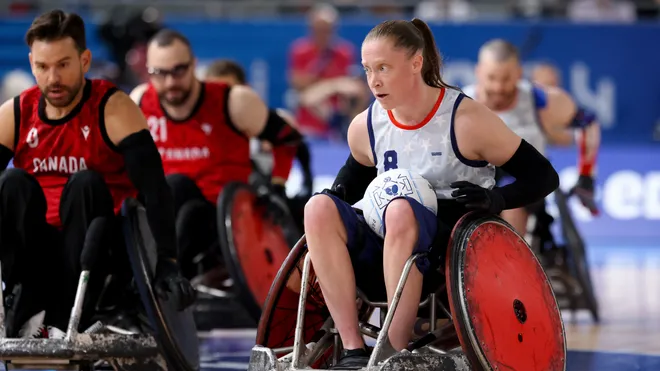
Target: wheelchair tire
253 246
501 300
278 321
577 254
174 331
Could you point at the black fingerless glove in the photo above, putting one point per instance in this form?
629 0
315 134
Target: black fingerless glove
477 198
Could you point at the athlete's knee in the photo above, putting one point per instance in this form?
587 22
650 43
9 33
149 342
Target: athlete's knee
400 221
18 178
87 179
180 182
183 189
21 194
85 190
321 214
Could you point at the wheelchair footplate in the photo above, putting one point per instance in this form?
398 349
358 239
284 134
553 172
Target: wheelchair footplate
172 345
81 352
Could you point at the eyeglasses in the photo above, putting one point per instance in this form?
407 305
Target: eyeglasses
176 72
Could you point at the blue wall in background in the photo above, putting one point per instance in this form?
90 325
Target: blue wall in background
612 70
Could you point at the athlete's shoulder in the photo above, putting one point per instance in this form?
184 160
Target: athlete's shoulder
470 112
469 90
139 91
30 95
525 85
100 88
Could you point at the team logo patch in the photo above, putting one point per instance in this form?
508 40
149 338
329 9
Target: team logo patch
207 128
85 131
390 188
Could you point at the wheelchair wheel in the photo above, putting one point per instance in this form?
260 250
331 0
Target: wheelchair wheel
577 255
253 245
502 303
278 321
174 330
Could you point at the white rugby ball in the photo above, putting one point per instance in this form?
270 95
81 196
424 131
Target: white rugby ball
393 184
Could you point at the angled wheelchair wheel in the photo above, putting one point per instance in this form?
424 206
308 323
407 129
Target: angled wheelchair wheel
253 244
577 254
277 326
502 303
175 331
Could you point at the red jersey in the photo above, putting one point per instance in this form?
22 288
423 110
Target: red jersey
206 147
52 150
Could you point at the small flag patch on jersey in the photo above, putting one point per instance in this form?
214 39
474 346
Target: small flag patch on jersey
436 153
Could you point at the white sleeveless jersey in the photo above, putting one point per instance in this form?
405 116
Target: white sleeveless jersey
430 150
522 119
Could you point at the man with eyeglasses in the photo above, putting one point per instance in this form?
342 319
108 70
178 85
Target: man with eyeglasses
203 131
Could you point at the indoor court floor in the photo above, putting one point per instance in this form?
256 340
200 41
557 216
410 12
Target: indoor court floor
627 280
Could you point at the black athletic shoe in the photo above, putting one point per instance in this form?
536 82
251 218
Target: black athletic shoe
352 359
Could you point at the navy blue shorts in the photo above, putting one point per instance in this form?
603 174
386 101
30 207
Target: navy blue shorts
366 249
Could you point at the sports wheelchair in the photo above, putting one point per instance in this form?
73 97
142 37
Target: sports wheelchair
566 264
255 231
501 312
170 343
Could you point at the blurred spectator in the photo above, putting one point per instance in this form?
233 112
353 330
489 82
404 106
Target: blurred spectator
648 9
619 11
445 10
320 73
126 32
15 82
546 74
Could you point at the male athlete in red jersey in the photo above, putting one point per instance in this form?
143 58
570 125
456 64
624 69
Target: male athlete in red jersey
80 147
202 130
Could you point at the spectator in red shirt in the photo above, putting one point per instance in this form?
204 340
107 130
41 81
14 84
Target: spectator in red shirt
320 73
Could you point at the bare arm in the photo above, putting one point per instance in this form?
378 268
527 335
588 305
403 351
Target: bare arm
7 124
123 117
561 121
358 140
557 115
301 80
481 135
251 116
247 110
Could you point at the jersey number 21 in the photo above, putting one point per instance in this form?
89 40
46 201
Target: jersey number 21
158 128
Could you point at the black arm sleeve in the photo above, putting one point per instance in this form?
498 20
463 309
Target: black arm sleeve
535 177
145 169
304 159
278 132
355 179
6 155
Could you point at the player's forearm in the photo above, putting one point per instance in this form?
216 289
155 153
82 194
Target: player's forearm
535 178
587 138
354 178
285 140
145 169
588 143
